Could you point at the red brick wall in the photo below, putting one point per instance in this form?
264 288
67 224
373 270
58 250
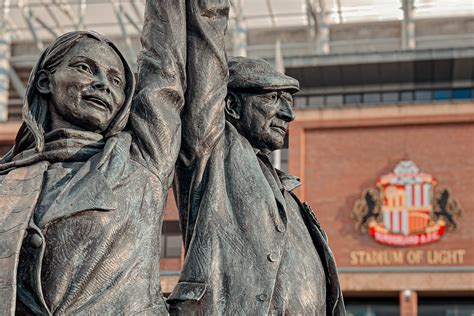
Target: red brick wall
338 159
171 210
4 148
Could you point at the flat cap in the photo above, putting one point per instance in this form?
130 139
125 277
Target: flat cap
257 74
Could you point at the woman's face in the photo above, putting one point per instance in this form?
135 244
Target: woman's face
88 88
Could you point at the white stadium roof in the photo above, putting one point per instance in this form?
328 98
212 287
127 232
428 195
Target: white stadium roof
26 19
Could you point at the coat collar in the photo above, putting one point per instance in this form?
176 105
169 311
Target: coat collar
91 187
87 190
289 182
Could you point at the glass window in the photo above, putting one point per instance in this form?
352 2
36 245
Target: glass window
173 246
461 93
372 98
171 227
353 98
279 159
163 246
300 101
437 306
284 160
390 97
171 240
406 96
316 101
442 94
423 95
372 307
334 100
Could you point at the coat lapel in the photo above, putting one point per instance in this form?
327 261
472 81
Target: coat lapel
87 190
19 193
321 243
274 182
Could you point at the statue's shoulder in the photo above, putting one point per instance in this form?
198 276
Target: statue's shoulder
234 140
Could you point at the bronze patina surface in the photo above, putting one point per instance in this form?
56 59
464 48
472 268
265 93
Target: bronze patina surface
251 247
83 190
87 179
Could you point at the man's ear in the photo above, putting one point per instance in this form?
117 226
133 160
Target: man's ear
232 106
43 82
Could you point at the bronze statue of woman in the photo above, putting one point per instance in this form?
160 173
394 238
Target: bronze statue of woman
82 191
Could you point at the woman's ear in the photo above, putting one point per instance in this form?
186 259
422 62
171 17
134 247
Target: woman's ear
43 82
232 106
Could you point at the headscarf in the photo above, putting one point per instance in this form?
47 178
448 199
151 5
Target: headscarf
35 108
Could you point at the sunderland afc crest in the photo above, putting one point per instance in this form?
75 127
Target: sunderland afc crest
407 208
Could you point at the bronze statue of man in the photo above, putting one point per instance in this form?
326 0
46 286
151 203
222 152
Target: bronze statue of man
82 191
251 247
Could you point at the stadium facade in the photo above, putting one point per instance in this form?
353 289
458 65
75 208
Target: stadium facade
383 138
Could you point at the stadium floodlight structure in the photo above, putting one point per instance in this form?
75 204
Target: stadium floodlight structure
26 26
40 21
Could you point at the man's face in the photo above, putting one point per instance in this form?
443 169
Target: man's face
88 87
264 119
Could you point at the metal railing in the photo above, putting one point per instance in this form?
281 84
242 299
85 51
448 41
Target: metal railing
289 50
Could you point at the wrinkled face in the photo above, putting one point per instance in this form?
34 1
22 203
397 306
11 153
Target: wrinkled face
264 119
88 87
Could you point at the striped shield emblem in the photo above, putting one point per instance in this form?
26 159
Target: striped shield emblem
407 199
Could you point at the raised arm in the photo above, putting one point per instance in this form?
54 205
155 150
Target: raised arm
203 116
155 116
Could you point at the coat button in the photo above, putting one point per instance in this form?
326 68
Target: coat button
35 240
281 228
262 297
272 257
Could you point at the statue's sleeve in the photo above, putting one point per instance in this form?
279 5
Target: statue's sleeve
203 116
155 115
